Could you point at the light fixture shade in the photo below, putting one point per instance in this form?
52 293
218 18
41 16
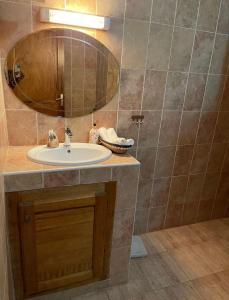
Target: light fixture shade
72 18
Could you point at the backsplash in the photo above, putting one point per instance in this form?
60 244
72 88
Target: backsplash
174 71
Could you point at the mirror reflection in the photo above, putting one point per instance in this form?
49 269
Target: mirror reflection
61 72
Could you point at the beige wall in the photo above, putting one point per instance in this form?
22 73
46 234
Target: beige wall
174 69
3 147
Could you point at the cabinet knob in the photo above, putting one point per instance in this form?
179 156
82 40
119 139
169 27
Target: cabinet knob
27 218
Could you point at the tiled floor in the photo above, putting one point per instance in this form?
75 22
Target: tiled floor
184 263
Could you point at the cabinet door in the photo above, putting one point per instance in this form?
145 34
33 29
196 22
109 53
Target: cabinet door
60 247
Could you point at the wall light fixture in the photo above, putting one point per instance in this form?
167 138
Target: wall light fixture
72 18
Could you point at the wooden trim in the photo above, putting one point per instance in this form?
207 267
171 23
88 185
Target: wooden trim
12 200
99 236
28 246
110 190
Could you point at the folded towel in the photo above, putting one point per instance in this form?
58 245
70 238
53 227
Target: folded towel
112 133
103 133
130 142
110 136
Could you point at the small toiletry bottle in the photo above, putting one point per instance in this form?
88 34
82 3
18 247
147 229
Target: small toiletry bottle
52 139
94 135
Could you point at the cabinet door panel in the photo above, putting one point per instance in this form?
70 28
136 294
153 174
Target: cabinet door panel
58 241
62 256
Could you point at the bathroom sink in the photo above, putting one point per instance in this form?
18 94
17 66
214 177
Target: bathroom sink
76 154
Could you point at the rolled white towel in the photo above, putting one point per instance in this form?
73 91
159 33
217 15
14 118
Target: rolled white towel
129 142
120 141
103 133
111 133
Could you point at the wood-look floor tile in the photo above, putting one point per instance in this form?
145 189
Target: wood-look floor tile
210 288
178 292
93 296
162 271
211 230
191 262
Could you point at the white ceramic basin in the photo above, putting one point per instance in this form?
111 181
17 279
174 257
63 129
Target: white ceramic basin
80 154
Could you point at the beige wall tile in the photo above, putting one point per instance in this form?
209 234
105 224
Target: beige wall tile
135 44
188 128
95 175
80 128
182 160
195 92
164 162
22 127
23 182
178 190
112 39
154 90
181 49
105 119
202 52
131 88
123 228
159 46
15 22
156 218
175 90
220 58
163 11
138 9
149 130
206 127
223 18
140 222
208 14
85 6
169 128
45 123
114 8
160 192
147 157
200 158
187 13
58 179
119 264
126 176
213 92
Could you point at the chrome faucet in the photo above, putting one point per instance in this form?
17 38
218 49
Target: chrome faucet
68 136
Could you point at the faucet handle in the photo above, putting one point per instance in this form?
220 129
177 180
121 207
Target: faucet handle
68 132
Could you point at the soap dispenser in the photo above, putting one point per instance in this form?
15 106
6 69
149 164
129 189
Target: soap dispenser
53 141
94 135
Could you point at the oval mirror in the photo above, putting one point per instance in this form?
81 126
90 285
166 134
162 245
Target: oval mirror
62 72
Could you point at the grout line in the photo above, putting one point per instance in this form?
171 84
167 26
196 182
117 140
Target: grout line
178 26
144 79
143 91
121 62
182 111
201 111
159 131
221 171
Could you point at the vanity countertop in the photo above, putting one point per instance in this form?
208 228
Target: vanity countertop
16 162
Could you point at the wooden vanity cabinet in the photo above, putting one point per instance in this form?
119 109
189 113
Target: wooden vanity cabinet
60 237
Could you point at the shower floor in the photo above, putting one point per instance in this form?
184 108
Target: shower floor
184 263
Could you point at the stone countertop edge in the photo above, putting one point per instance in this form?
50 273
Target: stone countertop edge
20 159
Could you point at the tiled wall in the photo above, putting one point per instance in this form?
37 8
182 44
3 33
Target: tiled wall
3 252
173 55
